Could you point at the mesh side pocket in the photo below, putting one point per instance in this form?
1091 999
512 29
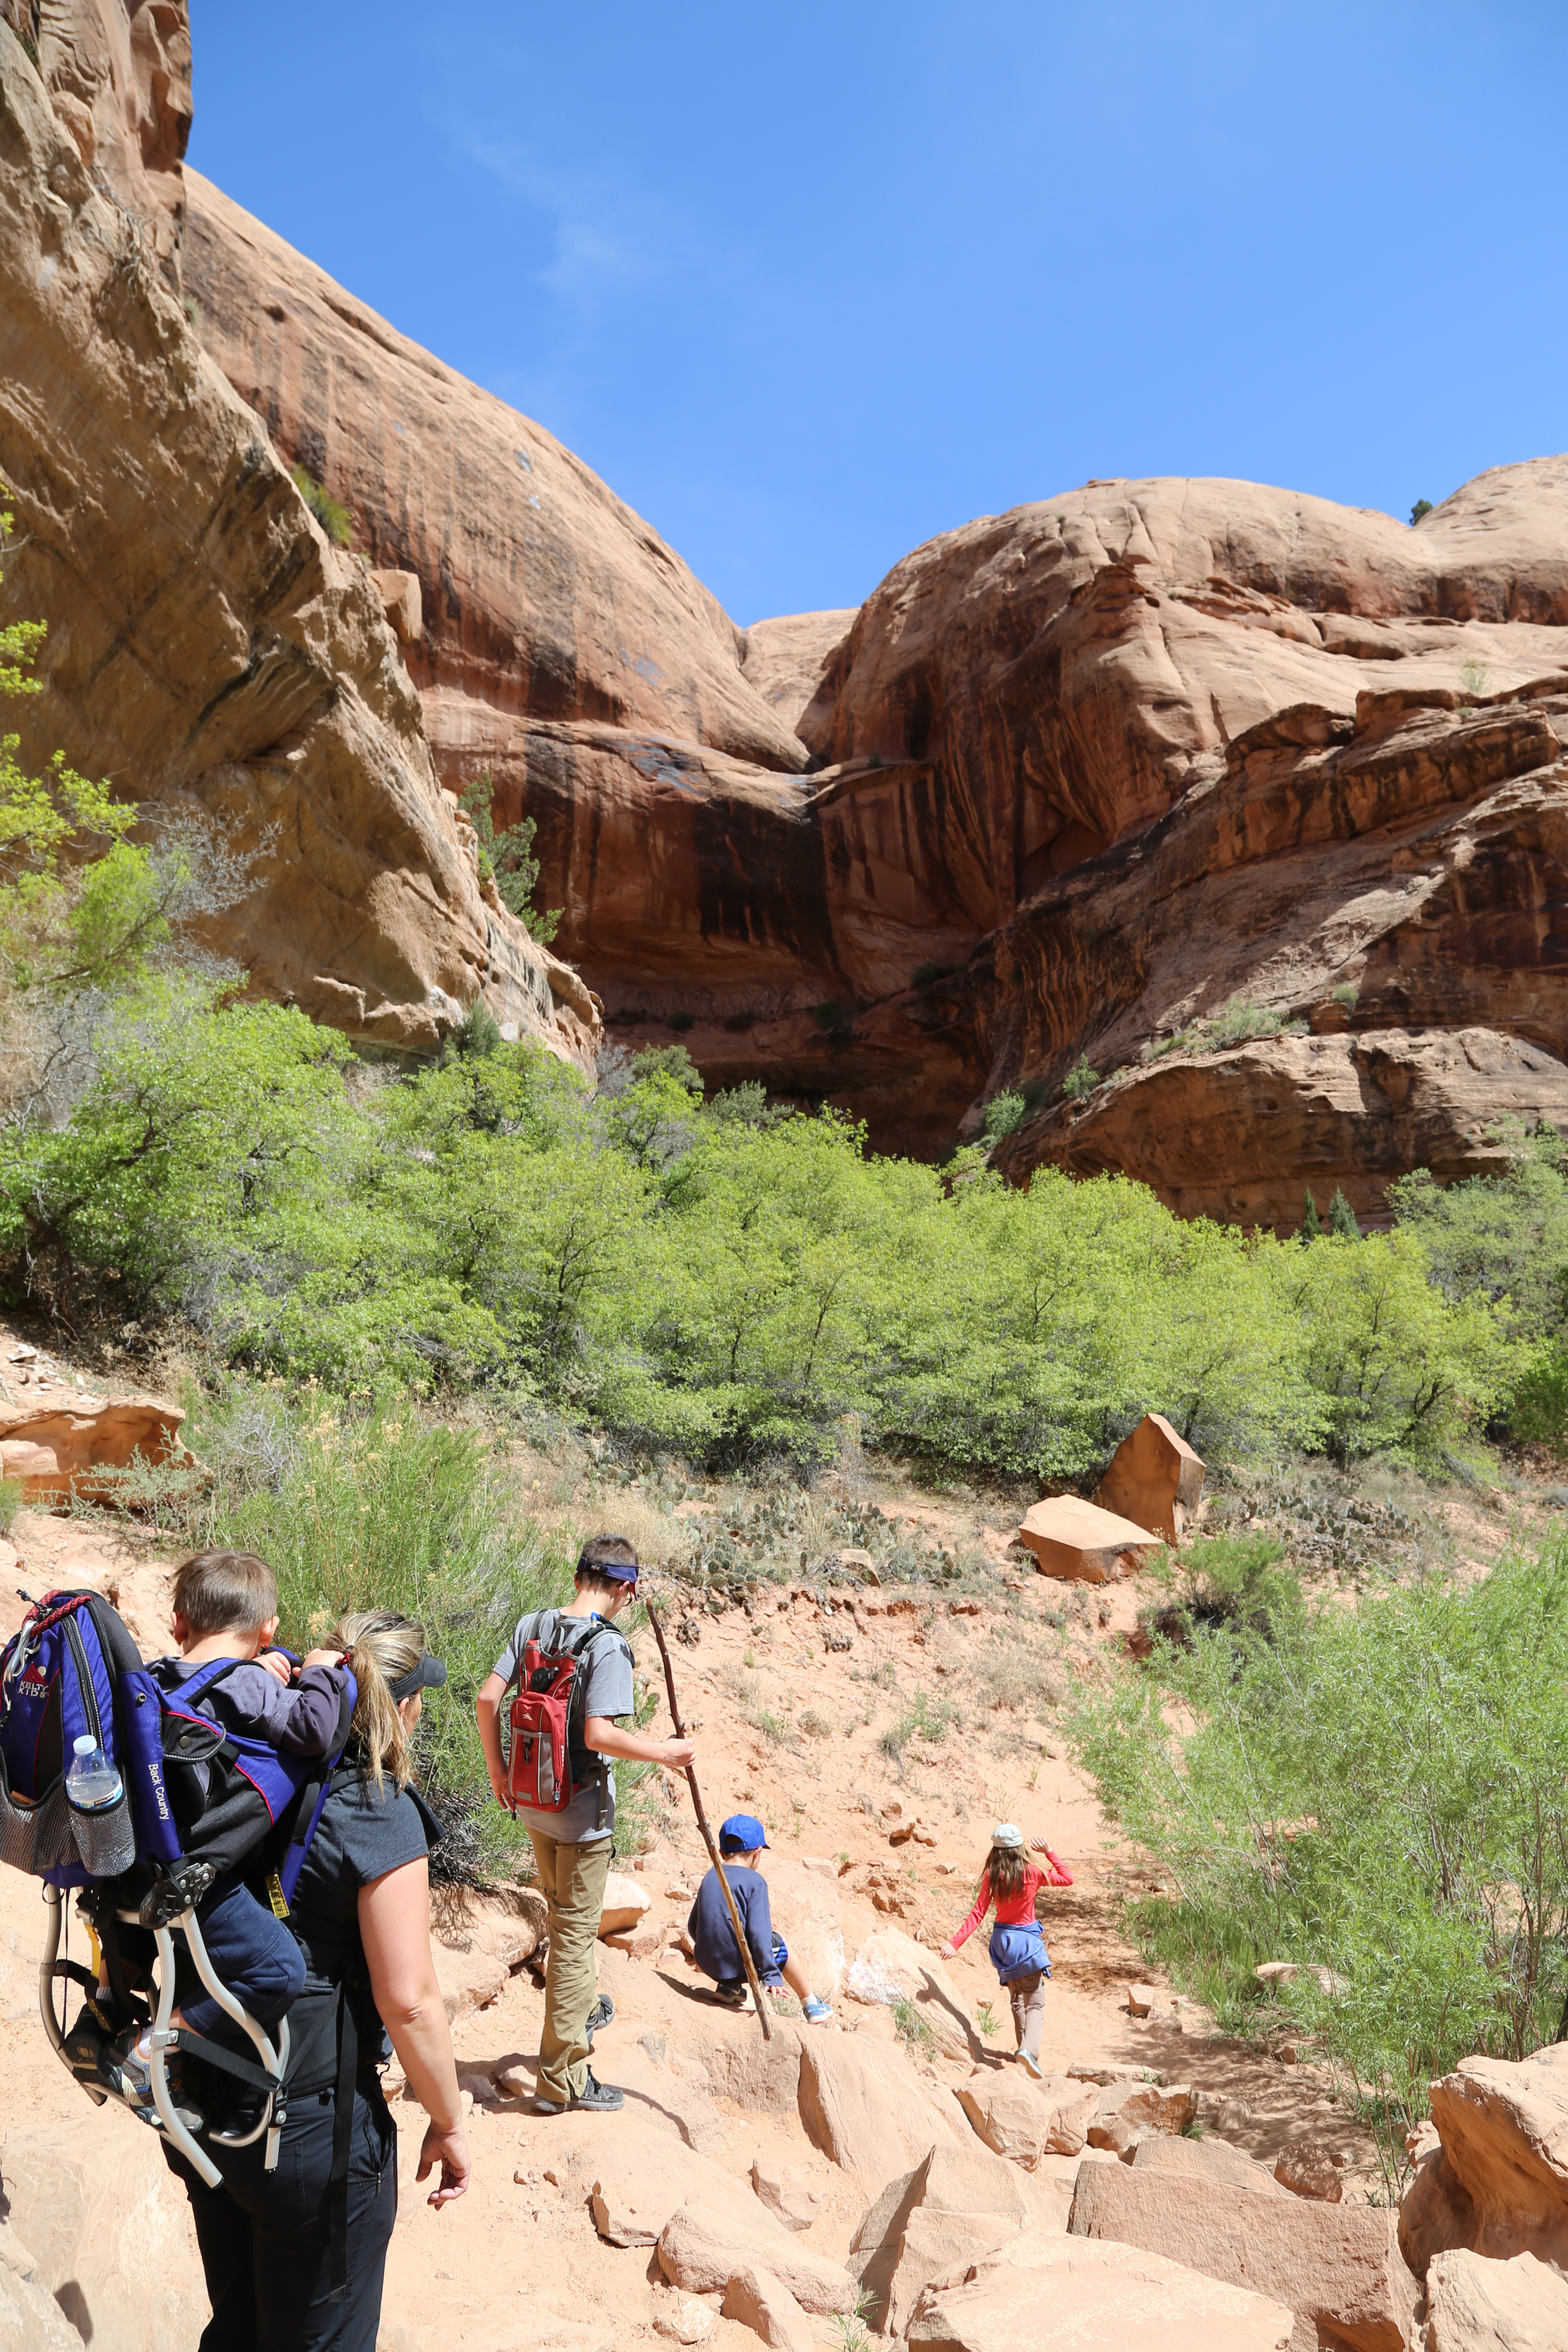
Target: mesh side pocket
105 1839
36 1838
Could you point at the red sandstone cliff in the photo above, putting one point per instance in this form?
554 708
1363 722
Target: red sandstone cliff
207 643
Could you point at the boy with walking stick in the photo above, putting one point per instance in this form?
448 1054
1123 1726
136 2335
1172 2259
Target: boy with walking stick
572 1673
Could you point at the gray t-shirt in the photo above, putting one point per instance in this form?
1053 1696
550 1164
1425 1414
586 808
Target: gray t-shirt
607 1690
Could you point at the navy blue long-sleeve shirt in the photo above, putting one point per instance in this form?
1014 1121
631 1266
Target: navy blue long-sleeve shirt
713 1937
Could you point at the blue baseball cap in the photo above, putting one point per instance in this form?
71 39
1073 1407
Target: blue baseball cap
741 1833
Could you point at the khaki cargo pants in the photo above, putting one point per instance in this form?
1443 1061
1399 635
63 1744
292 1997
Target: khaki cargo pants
572 1881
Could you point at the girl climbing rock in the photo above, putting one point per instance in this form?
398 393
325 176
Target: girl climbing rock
1018 1951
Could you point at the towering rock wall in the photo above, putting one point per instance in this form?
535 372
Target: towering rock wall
206 645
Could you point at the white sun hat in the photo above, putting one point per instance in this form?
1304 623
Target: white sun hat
1007 1833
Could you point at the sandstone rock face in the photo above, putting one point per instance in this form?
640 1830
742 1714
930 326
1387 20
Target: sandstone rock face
862 2107
30 2318
1336 2266
1084 1543
54 1450
701 2253
1475 2305
119 75
890 1965
207 647
1154 1478
1205 2159
1504 2130
1092 2294
786 660
953 2210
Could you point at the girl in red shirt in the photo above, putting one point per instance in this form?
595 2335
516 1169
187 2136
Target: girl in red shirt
1018 1951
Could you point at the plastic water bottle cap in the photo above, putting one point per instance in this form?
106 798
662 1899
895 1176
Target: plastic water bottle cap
86 1744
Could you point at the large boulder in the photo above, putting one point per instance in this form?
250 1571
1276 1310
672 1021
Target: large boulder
625 1904
1154 1479
109 2228
30 2318
1072 2292
1024 2121
1436 2211
1205 2159
890 1965
957 2207
862 2106
1504 2129
1336 2266
1474 2305
1078 1540
1127 2112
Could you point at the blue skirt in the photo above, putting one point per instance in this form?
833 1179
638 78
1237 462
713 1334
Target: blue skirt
1019 1952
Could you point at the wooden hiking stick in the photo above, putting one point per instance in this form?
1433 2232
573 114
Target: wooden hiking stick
747 1962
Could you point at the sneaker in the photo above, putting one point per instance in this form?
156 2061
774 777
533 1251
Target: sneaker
730 1996
129 2075
593 2095
1031 2067
602 2013
816 2012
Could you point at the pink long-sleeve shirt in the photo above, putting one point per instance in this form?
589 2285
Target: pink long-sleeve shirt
1015 1910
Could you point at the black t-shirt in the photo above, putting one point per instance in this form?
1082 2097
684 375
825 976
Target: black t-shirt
360 1837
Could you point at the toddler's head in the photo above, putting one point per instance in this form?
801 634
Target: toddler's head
231 1593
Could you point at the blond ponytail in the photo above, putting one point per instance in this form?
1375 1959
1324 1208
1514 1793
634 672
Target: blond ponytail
381 1648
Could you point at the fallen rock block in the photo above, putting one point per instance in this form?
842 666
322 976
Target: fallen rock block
701 2253
1205 2159
1437 2212
957 2207
1277 1972
686 2321
1142 2000
863 2107
402 600
625 1904
1077 2292
1308 2170
890 1965
1078 1540
1126 2111
1023 2121
786 2192
30 2318
54 1450
110 2231
1504 2129
764 2304
1475 2304
1154 1478
1337 2267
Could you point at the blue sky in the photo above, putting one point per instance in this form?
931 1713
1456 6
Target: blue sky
808 285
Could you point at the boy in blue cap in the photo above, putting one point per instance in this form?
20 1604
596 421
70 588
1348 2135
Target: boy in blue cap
712 1931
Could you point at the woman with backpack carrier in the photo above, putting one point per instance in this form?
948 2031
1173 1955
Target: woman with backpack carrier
295 2257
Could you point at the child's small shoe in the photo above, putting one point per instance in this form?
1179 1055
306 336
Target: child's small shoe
730 1995
814 2012
126 2067
1031 2067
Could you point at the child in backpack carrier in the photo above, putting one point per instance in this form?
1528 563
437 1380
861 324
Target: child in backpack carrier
1018 1951
225 1606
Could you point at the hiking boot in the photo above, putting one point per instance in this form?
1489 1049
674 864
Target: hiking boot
593 2095
602 2013
814 2012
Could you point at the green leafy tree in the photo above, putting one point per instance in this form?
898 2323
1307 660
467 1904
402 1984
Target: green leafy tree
507 859
1004 1114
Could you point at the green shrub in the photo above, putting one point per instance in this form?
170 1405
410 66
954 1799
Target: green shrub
912 2029
1004 1114
13 1498
1223 1582
507 859
1346 995
367 1508
1376 1790
1421 507
334 520
1238 1022
1080 1080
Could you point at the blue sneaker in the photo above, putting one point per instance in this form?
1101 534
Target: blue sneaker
816 2012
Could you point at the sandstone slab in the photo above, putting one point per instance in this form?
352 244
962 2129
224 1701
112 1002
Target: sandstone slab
55 1451
862 2106
758 2300
1125 2111
1154 1479
1083 1543
109 2229
30 2318
890 1965
625 1904
787 2191
1336 2266
1474 2305
952 2210
1205 2159
1093 2296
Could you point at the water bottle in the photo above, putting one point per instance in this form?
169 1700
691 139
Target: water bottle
92 1782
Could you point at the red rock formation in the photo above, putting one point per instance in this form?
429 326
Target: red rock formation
206 645
1154 1478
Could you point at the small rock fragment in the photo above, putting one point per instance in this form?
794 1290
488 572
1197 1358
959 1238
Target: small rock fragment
1308 2170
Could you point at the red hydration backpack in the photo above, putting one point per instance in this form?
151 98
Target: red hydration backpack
546 1723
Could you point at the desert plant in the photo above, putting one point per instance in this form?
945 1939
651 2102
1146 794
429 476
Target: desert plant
1080 1080
1344 994
1421 507
1475 676
1004 1114
507 859
13 1496
911 2028
334 520
985 2017
1342 1219
1239 1021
